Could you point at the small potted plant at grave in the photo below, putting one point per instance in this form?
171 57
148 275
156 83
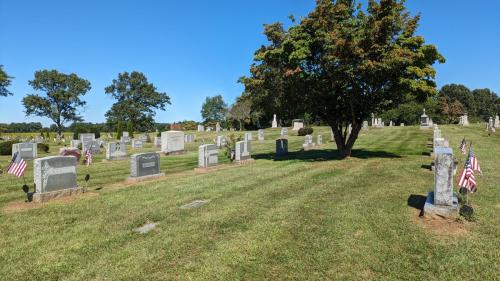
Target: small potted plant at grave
230 146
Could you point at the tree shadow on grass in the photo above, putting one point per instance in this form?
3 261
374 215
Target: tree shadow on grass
417 202
323 155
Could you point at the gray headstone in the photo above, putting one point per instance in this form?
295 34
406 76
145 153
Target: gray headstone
27 150
194 204
284 132
54 173
260 135
144 164
137 144
242 151
116 150
75 143
308 142
443 178
220 141
217 127
157 142
172 141
92 145
248 136
208 155
86 137
282 146
320 140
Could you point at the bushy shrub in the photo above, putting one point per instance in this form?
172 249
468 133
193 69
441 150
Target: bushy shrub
305 131
6 147
43 147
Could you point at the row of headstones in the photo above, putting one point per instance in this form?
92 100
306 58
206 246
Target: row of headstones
202 128
442 200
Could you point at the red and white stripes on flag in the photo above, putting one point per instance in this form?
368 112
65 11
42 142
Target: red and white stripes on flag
467 179
473 162
17 165
88 157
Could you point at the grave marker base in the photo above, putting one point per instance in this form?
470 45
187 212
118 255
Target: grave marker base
47 196
441 211
243 162
145 178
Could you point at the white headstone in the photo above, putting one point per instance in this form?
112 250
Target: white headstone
116 150
137 144
297 125
27 150
242 151
248 137
208 155
201 128
217 127
275 122
260 134
54 176
172 142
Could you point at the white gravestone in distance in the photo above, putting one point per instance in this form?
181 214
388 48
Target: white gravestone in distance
275 122
208 156
308 142
248 136
145 166
54 176
260 135
220 141
201 128
297 124
442 201
27 150
75 143
365 125
320 140
137 144
281 147
424 120
242 151
217 127
172 142
497 121
157 142
284 132
116 151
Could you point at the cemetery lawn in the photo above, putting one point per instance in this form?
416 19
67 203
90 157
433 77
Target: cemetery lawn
308 216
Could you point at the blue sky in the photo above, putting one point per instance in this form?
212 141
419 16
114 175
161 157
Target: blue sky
193 49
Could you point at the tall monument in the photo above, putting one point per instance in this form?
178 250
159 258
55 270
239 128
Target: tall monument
275 122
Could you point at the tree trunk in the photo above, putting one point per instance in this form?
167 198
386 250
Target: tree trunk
345 143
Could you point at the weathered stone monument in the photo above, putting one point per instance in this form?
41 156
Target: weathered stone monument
320 140
248 137
208 155
283 132
464 120
275 122
172 142
86 137
442 201
281 147
75 143
365 126
145 166
157 142
260 135
125 137
497 122
201 128
27 150
308 142
242 151
188 138
424 120
54 176
217 127
220 141
390 123
116 151
92 145
137 144
297 124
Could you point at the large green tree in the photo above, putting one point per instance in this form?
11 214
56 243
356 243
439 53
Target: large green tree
241 112
485 102
460 93
61 97
4 82
136 100
214 109
342 63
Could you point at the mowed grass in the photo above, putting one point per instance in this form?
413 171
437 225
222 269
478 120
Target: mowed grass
307 216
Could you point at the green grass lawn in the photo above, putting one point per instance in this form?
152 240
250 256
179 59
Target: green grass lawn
307 216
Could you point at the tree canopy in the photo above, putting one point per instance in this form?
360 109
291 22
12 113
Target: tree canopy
343 63
5 81
61 97
214 109
136 100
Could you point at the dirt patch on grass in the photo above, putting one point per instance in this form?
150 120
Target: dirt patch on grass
441 226
18 206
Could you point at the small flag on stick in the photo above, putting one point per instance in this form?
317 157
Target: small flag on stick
88 157
17 165
463 146
467 178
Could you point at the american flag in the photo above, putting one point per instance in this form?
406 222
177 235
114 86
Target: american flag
463 146
88 156
473 161
17 165
467 179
